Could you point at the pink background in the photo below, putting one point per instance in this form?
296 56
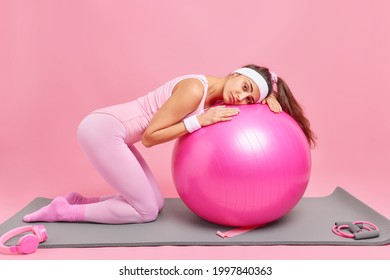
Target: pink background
61 59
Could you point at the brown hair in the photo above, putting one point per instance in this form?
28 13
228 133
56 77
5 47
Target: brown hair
288 102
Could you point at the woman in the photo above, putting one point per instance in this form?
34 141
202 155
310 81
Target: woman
180 106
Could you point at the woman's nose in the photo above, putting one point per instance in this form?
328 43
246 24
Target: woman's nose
241 97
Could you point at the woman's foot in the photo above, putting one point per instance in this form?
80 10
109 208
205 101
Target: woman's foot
58 210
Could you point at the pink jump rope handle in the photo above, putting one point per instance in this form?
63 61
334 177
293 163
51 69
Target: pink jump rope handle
370 226
356 230
338 230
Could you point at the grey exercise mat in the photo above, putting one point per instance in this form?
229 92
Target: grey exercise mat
309 223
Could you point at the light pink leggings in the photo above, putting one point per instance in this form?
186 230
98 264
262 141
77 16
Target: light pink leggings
103 138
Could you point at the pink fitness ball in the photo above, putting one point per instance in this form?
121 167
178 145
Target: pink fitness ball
249 171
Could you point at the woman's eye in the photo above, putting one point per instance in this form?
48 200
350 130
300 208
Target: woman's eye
245 87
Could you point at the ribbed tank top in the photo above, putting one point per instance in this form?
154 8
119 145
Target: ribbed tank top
151 102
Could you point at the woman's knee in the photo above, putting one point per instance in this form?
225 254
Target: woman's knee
150 214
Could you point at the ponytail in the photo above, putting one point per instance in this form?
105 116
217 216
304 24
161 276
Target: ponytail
288 102
291 106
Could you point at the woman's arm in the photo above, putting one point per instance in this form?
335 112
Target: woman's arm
167 124
273 103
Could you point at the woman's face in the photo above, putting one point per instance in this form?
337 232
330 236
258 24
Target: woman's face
240 90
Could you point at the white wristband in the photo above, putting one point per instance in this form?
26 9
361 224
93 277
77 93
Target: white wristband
192 124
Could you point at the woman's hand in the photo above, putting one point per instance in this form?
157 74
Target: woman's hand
217 114
272 103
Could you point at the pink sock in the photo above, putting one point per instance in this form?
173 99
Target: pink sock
76 198
59 210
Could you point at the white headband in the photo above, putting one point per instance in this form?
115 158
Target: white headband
257 79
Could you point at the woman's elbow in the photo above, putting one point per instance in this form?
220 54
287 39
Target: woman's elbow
148 140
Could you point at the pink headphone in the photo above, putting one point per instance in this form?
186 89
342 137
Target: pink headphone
27 244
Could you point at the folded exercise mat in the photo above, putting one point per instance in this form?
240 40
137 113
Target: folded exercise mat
309 223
